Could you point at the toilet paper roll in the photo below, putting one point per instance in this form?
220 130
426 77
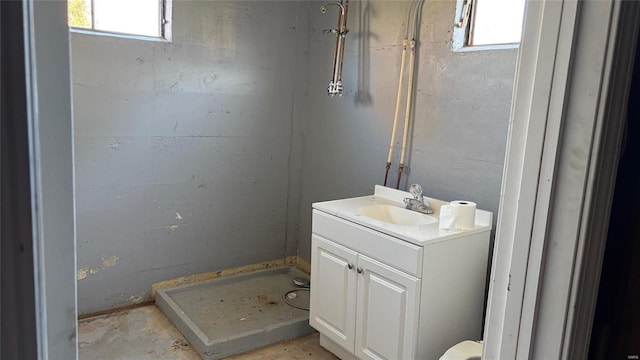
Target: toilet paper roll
458 215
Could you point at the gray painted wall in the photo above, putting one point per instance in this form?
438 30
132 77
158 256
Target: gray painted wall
461 111
199 127
229 125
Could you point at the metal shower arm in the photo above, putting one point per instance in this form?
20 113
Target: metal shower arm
335 85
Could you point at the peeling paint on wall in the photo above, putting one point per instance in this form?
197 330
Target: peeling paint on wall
135 299
84 272
109 261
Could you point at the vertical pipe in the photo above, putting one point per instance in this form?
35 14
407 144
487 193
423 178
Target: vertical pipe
400 168
335 85
343 34
405 42
336 54
408 26
336 67
416 33
386 173
407 112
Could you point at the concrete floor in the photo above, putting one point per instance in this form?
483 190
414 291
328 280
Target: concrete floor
145 333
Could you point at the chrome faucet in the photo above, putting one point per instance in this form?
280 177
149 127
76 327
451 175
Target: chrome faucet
417 203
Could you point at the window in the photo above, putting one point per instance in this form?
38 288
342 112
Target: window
488 24
128 17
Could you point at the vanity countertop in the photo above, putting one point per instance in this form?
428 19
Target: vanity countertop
417 234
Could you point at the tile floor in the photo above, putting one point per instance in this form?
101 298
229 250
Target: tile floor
145 333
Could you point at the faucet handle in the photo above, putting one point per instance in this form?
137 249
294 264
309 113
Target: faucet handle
416 191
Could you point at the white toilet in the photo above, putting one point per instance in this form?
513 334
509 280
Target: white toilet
466 350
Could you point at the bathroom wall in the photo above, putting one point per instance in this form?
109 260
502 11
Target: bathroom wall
182 148
461 111
206 152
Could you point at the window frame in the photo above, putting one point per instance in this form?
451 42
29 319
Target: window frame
461 35
164 22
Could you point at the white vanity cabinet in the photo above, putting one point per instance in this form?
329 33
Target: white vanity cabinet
353 291
377 296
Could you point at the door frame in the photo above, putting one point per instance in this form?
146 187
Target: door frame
567 121
48 234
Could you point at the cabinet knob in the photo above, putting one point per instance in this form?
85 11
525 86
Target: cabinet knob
359 270
350 266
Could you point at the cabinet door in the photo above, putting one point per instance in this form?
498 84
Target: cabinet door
388 308
333 291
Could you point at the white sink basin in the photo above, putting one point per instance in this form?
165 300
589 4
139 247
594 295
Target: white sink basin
396 215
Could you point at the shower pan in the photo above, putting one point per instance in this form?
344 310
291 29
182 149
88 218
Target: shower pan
232 315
